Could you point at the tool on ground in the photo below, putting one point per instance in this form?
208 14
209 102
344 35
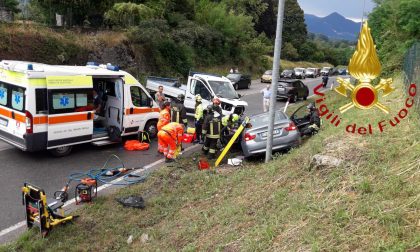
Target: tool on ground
232 140
86 191
87 188
39 213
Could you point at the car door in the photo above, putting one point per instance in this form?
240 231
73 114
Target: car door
300 118
201 88
137 104
247 80
302 91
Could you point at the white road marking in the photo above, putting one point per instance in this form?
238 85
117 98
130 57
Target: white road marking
102 187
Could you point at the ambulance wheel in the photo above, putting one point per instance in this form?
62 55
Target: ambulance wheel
151 128
61 151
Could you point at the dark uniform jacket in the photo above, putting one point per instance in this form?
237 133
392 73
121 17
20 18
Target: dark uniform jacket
212 126
179 113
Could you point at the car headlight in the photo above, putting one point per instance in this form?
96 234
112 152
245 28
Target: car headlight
226 106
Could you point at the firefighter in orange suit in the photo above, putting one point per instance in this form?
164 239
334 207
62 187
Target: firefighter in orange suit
170 136
164 118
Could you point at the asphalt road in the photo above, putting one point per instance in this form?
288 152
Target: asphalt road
51 173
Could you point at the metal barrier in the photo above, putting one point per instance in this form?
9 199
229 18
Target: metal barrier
411 70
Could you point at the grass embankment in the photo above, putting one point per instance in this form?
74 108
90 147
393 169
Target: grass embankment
370 202
53 46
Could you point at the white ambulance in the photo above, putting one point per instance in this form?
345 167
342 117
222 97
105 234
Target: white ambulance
55 107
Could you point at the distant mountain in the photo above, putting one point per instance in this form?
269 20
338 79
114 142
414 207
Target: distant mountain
333 26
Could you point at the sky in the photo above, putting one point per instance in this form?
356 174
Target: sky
351 9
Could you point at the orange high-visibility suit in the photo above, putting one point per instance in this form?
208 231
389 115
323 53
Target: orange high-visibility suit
170 136
164 118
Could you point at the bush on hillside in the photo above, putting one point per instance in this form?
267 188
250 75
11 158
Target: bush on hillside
128 14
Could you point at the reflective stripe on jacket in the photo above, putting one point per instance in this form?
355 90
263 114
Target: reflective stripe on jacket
212 127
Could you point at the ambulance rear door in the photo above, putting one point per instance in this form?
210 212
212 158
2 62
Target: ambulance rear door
70 107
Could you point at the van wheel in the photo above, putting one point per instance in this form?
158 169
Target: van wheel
61 151
236 86
249 85
151 128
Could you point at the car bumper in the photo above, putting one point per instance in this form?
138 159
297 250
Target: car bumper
252 148
282 95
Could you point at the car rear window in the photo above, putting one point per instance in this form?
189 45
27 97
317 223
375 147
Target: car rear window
262 119
268 72
286 84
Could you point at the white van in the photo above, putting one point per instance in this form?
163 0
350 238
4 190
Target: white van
209 86
51 107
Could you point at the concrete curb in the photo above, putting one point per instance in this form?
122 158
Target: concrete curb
13 232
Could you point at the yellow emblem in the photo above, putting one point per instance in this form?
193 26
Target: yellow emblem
365 67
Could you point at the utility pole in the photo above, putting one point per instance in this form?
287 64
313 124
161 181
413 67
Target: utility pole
274 81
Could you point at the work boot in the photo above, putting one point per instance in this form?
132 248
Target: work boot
169 160
212 156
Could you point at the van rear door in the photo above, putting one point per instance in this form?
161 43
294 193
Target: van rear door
70 105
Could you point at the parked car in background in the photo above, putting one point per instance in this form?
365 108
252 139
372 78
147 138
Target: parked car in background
342 71
240 80
288 74
254 139
300 73
312 72
293 89
267 76
326 71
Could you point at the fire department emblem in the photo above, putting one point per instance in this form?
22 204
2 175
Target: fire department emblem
365 67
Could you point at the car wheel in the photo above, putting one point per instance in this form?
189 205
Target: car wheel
61 151
151 128
236 86
249 85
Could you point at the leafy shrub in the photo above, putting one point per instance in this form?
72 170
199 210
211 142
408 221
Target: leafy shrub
128 14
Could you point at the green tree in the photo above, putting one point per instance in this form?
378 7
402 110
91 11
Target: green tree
395 26
128 14
294 29
289 52
252 8
12 5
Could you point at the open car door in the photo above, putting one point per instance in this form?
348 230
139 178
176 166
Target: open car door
301 117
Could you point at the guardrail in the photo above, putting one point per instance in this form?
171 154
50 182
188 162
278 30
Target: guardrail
411 70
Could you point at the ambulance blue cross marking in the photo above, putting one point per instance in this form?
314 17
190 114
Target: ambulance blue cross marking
17 98
64 101
1 93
